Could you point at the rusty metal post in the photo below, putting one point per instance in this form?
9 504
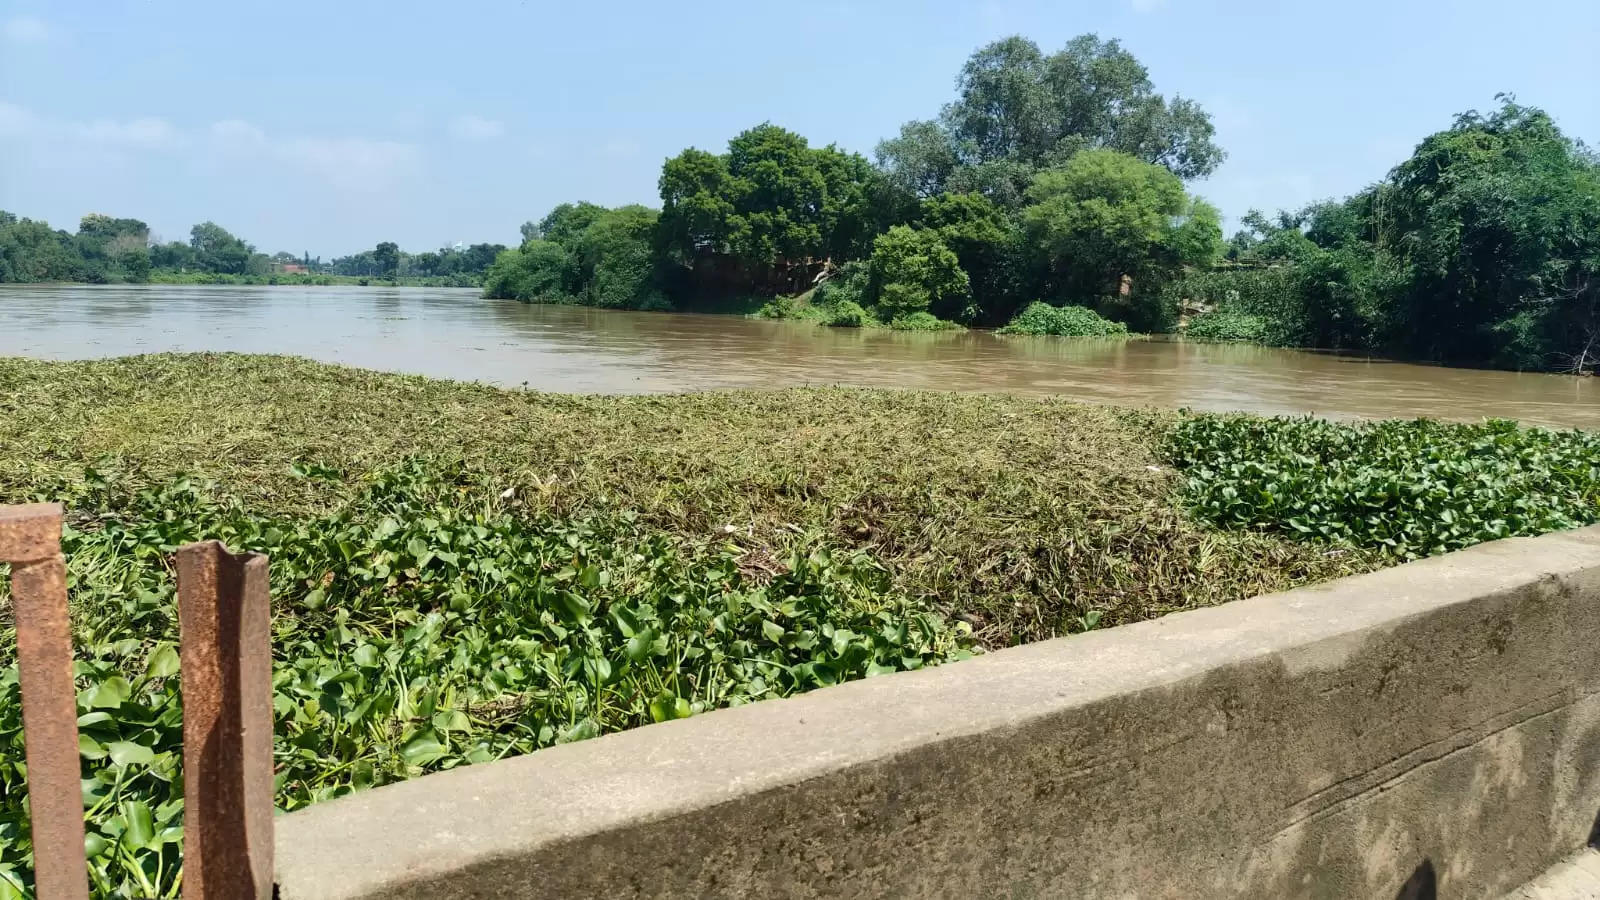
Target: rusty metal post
30 540
226 650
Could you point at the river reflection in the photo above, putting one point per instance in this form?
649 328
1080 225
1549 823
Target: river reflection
453 333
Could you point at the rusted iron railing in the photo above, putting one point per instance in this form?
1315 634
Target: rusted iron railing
226 655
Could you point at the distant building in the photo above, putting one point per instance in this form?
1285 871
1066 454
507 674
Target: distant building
290 268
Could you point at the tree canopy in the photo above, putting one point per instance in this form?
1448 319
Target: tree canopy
1018 111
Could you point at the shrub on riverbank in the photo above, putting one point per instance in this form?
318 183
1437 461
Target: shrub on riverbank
1226 325
1067 321
1405 489
923 321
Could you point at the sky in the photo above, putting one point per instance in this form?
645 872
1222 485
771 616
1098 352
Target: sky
326 127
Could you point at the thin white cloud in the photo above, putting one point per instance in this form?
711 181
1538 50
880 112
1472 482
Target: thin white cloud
16 121
344 162
144 133
234 132
25 30
476 128
620 148
353 162
147 133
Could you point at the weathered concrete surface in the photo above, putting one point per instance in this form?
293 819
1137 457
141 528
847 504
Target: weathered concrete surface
1574 879
1436 724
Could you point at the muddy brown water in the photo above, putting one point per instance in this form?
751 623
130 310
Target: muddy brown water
452 333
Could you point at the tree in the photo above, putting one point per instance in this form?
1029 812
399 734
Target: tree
386 257
768 215
1018 111
988 247
921 160
1106 218
216 250
1497 220
537 272
912 270
588 254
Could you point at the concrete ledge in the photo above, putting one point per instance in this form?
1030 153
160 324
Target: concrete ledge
1441 718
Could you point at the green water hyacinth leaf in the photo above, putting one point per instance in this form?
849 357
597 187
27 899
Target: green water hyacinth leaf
138 824
126 753
423 749
381 674
163 662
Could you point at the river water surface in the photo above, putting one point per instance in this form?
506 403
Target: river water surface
452 333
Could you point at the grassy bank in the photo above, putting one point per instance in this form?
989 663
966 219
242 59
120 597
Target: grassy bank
462 573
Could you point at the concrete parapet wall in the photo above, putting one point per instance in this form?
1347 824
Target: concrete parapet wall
1435 726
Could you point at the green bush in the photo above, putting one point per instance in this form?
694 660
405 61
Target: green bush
849 314
850 284
1408 489
1067 321
913 269
1228 325
923 321
415 630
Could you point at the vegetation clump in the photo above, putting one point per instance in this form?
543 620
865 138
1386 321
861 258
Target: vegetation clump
1228 325
416 630
1067 321
1404 489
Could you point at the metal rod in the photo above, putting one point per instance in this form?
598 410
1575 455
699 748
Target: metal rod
226 652
30 540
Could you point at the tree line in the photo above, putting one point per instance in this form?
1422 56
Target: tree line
1056 177
107 250
1061 179
1483 248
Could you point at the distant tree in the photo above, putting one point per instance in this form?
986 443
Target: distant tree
217 250
386 257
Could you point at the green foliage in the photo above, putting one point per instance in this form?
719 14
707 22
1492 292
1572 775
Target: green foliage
416 631
1407 489
990 249
852 284
922 321
1229 325
217 250
31 251
537 272
386 256
850 314
1018 111
765 215
1067 321
585 254
1483 247
1261 305
911 270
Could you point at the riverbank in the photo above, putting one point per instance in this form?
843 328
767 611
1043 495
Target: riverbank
462 573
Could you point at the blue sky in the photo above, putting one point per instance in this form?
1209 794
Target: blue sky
331 126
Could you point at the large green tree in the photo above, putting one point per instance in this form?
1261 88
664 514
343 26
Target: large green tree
1018 111
217 250
767 215
1106 222
912 270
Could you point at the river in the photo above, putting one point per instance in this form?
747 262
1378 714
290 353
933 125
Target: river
452 333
